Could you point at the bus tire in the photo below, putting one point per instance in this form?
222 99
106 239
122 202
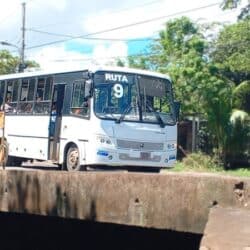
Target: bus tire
4 153
14 161
72 159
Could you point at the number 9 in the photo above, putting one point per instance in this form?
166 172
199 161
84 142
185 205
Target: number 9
118 89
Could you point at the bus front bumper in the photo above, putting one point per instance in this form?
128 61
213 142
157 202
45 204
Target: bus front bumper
104 156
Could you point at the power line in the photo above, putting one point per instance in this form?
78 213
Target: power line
12 12
91 38
96 38
135 55
101 58
135 7
217 47
113 12
9 15
125 26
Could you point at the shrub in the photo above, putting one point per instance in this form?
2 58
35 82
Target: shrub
200 161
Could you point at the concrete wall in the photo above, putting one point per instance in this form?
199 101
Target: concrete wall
227 228
175 201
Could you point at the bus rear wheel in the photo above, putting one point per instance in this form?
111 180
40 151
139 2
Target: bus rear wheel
72 159
14 161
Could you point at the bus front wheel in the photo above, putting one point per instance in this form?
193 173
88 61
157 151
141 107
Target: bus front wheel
72 159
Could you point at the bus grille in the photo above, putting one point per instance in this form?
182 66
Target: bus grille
151 146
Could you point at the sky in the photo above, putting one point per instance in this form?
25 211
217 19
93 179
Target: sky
76 33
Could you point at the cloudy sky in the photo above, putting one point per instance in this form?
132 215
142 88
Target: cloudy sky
76 33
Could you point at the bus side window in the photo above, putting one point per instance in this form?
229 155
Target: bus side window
79 104
11 96
26 96
43 96
2 83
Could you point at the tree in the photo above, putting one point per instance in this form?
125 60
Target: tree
181 52
9 64
120 63
139 62
231 125
238 140
218 108
241 98
232 57
231 4
199 81
231 51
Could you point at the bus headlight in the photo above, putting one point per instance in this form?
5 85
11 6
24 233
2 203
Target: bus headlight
102 139
171 146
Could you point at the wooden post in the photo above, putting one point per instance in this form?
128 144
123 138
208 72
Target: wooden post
193 134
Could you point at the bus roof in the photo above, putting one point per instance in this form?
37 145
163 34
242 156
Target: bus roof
92 69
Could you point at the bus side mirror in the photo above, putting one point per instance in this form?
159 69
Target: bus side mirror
88 88
177 106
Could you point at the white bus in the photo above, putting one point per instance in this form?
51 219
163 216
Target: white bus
99 116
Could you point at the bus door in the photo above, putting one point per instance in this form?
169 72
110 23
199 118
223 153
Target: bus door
55 120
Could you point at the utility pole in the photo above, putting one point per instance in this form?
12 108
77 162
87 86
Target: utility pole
21 49
22 64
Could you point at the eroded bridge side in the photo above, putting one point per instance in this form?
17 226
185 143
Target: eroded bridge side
173 201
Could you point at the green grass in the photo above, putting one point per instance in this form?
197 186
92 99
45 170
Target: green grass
241 172
199 162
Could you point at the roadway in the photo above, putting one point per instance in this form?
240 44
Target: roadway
35 165
48 165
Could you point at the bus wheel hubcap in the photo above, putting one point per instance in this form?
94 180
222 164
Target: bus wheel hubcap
73 159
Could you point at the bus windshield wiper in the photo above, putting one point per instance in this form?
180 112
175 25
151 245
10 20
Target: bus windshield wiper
157 115
126 110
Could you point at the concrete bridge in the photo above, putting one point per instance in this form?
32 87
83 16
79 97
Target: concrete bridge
173 201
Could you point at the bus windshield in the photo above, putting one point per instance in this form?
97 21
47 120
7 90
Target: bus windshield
130 97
